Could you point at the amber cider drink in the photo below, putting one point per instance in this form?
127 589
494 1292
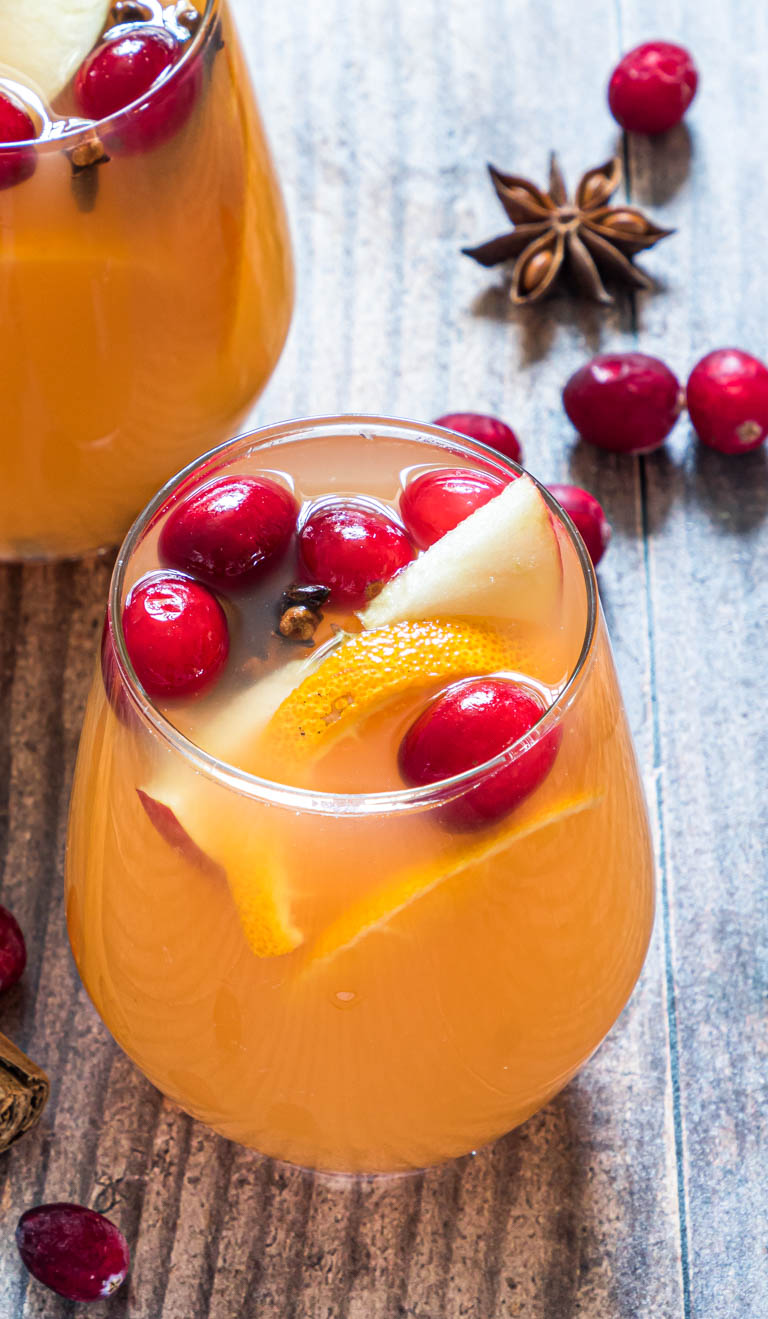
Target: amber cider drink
308 950
145 285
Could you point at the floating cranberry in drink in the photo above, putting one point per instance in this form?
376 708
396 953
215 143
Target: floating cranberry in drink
435 501
231 532
353 547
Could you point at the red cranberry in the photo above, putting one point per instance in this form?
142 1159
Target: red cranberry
126 67
437 501
652 87
350 548
467 724
486 430
626 402
76 1252
176 635
727 398
15 126
587 514
230 531
13 950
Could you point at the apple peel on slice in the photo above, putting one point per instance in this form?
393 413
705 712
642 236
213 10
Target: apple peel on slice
46 41
503 562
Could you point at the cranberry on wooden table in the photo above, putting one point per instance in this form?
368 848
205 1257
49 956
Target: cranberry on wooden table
176 635
352 548
78 1253
727 396
13 950
652 86
486 430
230 531
625 402
434 502
15 126
586 513
468 724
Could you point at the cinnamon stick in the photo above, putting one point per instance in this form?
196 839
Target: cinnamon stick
24 1089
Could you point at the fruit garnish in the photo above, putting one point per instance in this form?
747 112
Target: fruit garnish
434 502
625 402
553 233
588 517
229 532
13 950
301 709
75 1251
46 40
467 725
15 126
123 68
727 396
370 669
176 635
352 548
652 86
374 911
128 66
503 562
487 430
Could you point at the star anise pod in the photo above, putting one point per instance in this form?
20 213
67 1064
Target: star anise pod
552 234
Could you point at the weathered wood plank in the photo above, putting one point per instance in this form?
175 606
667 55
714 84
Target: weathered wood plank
706 567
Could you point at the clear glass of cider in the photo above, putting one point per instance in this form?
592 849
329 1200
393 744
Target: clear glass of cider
359 870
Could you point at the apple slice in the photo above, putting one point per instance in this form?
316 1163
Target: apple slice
171 800
45 41
186 811
502 562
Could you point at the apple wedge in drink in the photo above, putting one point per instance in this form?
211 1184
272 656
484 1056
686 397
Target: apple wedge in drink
44 42
502 562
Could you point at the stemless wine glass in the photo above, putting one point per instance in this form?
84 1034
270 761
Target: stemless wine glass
145 291
439 984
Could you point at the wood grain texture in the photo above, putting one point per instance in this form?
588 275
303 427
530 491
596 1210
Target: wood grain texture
640 1190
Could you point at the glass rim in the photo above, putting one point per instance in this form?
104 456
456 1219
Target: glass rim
84 131
308 799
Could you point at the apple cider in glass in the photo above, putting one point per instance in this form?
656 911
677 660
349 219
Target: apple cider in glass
145 273
359 870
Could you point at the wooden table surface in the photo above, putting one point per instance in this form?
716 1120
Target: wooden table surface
640 1190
